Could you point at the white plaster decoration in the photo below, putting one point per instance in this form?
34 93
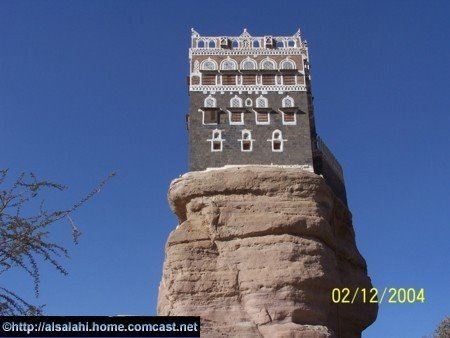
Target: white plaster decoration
210 102
248 102
287 102
208 64
246 141
241 120
277 141
236 102
196 67
289 123
247 88
287 64
262 102
228 64
258 121
268 64
248 64
216 140
249 52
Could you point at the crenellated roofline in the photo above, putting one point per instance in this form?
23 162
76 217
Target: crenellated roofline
246 41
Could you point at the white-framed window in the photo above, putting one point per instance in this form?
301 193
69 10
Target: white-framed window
268 64
210 102
248 64
208 64
262 102
277 141
236 116
287 64
288 102
209 116
262 117
236 102
289 116
216 140
246 141
228 64
248 102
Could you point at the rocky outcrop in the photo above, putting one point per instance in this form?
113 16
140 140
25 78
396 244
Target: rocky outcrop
257 252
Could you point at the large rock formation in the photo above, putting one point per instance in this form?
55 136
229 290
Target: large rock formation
257 252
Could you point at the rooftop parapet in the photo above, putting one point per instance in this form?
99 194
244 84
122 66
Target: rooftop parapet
247 42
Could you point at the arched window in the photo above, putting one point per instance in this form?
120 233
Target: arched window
212 44
248 102
208 64
287 102
200 44
236 102
268 64
235 44
262 102
291 43
248 64
216 140
287 64
228 64
210 102
277 141
246 140
256 44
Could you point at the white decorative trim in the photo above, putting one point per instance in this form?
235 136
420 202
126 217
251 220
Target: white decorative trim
249 138
203 119
248 102
289 123
279 138
228 61
236 99
247 88
249 52
305 167
286 62
287 102
211 99
216 137
241 122
248 60
259 122
208 61
266 61
258 102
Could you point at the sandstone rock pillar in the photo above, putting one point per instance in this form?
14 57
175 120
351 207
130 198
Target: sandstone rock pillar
257 252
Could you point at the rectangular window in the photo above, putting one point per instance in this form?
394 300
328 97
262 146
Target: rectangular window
246 145
268 79
236 117
262 117
229 80
289 79
276 146
216 146
249 79
210 116
289 118
208 79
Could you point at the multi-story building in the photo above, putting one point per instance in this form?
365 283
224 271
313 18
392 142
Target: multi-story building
251 103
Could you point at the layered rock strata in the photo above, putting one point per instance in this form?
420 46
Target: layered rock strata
257 252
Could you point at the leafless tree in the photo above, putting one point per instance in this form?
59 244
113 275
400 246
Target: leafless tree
24 236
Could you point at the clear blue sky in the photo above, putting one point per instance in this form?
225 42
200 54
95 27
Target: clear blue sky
87 87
